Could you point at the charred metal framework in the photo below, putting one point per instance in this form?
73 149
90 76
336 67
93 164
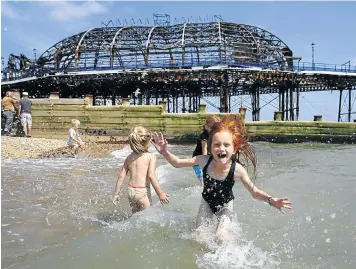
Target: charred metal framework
185 89
347 104
183 64
184 44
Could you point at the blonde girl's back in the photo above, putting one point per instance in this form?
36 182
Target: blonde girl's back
138 162
138 165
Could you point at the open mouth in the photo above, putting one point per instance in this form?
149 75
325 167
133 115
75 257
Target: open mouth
222 155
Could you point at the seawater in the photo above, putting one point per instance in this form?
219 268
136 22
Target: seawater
57 213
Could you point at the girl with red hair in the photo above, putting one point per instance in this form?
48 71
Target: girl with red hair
227 142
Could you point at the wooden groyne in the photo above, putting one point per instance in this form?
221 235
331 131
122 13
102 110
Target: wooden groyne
52 118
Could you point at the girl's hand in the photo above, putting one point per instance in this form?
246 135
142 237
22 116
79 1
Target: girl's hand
163 197
116 199
159 142
281 203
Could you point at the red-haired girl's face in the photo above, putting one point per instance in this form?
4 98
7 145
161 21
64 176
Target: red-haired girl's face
222 146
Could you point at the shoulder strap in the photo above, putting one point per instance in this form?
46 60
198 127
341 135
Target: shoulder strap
231 173
207 164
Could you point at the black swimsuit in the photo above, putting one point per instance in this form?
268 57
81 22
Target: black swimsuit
217 193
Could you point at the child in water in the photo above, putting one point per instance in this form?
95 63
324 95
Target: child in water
220 170
202 142
74 140
142 168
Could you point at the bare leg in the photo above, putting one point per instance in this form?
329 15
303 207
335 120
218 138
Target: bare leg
24 127
204 214
29 132
76 149
224 224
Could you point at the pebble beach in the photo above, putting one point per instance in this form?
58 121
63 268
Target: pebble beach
22 147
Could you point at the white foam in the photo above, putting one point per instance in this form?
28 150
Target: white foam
163 172
122 153
235 253
126 151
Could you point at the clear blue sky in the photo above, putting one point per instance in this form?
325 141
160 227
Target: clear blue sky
330 25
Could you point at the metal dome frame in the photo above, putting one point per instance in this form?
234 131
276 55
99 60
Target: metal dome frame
187 44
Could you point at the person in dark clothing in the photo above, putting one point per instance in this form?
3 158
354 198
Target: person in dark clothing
226 140
201 147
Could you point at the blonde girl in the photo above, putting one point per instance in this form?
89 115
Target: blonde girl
141 165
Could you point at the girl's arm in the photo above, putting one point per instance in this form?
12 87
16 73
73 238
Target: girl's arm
120 180
279 203
163 197
79 137
161 145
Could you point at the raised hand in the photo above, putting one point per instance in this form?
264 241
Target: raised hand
281 203
159 142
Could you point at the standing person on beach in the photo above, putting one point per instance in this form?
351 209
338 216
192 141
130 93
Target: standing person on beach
8 106
142 168
74 140
202 143
227 139
24 114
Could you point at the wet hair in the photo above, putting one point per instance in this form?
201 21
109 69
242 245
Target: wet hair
139 139
75 122
210 120
234 124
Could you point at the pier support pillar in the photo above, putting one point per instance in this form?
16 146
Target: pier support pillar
183 102
113 97
255 103
347 100
297 104
281 102
224 97
291 104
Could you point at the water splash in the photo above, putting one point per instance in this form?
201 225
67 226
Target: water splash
237 252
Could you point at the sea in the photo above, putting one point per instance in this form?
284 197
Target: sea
57 213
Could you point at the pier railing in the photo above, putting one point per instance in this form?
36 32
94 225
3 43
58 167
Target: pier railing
14 75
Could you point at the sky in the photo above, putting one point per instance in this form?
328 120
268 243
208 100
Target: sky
329 25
